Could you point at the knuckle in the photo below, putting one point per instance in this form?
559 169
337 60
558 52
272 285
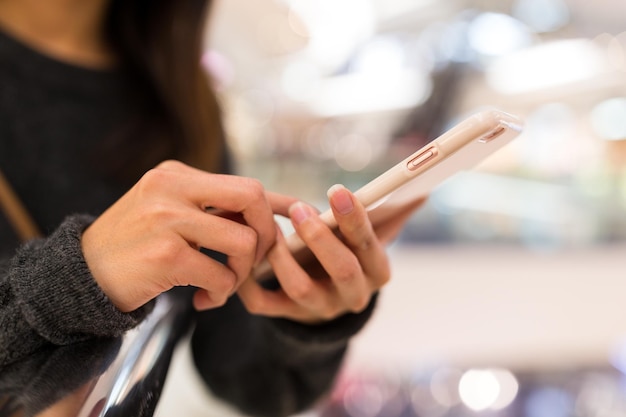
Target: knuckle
215 300
239 269
152 180
356 228
347 271
254 189
225 284
219 299
367 242
361 238
357 223
303 292
313 231
385 273
164 173
254 305
170 164
247 240
358 232
159 212
167 252
360 303
330 313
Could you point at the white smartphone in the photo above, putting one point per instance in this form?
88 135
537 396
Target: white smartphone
460 148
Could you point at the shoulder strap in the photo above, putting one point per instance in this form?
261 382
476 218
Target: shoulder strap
15 211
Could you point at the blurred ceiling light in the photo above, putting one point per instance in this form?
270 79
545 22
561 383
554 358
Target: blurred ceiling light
353 152
615 52
615 49
482 389
300 80
442 42
334 28
494 34
554 143
545 66
608 119
453 44
542 15
319 140
261 105
382 55
364 93
509 388
388 10
479 389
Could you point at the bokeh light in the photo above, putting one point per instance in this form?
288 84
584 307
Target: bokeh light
479 389
609 119
495 34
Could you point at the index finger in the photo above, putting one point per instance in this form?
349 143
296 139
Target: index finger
227 192
358 233
246 196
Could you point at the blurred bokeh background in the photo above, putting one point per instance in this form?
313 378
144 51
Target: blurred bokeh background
323 91
508 293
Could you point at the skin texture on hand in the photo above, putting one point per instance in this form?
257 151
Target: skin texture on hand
350 266
148 241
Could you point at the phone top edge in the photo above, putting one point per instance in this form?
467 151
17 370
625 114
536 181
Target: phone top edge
474 127
502 118
373 194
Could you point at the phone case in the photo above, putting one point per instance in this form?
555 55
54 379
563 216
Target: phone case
460 148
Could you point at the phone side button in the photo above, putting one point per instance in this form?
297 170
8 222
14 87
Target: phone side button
421 159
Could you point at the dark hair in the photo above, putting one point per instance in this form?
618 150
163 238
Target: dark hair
159 44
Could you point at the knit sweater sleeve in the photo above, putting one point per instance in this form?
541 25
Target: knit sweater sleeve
270 367
48 296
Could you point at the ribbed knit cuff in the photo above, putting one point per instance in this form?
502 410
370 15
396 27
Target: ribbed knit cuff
329 336
57 294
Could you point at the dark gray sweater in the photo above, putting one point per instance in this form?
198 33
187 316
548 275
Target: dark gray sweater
53 118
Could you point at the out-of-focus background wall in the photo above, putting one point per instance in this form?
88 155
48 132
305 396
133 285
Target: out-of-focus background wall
508 292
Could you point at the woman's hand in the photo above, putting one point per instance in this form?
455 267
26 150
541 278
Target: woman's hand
149 240
348 269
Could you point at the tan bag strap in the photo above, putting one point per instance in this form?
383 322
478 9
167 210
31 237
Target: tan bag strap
15 211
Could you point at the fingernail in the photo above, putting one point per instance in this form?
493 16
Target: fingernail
340 199
299 212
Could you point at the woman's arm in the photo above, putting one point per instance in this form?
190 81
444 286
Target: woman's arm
48 296
270 367
276 350
96 277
